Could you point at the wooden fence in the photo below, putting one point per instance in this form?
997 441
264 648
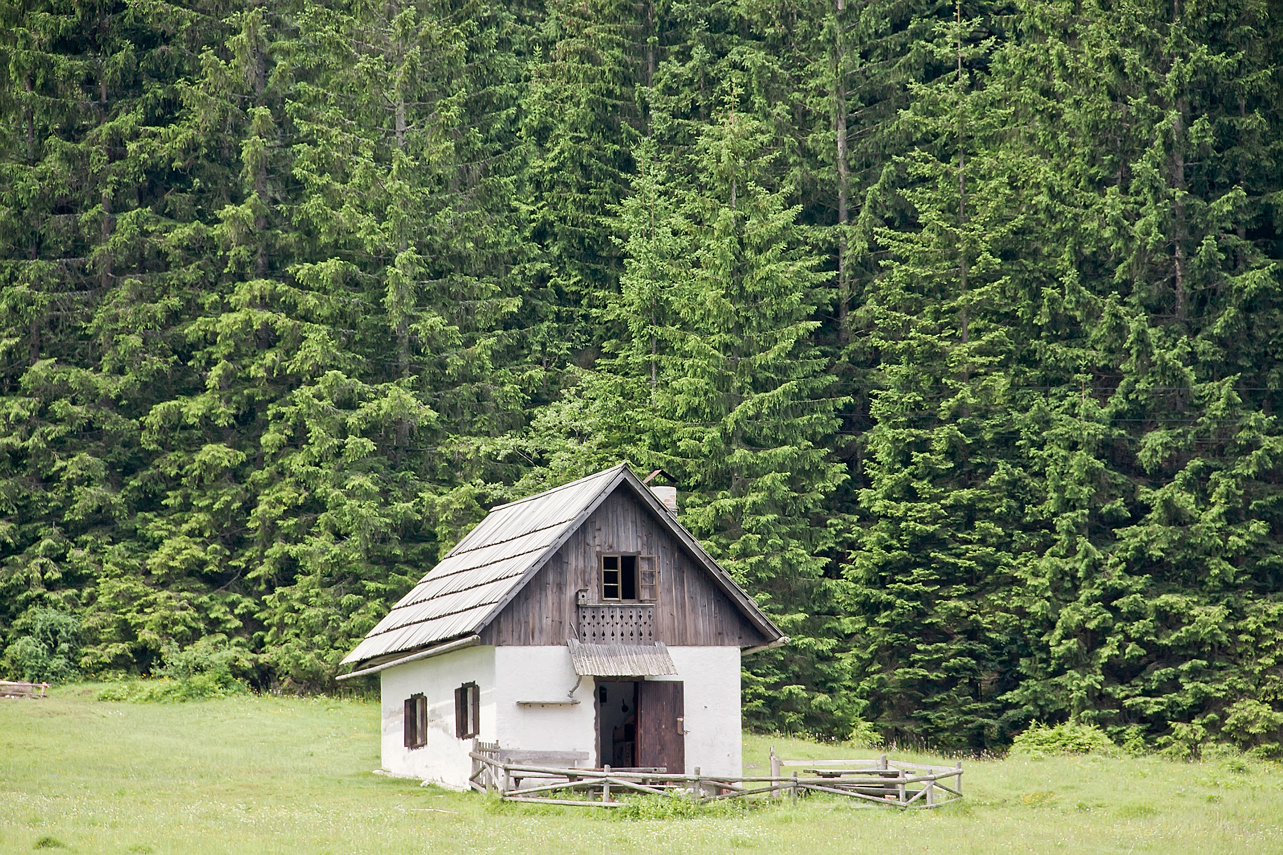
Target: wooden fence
880 782
13 689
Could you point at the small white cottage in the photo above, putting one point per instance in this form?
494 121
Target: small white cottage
581 627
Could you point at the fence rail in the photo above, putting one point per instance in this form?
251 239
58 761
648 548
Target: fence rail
14 689
879 781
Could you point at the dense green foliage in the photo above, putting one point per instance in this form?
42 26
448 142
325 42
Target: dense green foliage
1065 738
955 324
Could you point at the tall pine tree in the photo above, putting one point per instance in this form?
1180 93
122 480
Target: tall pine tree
720 297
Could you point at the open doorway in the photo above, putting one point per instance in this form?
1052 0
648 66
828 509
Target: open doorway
617 723
640 725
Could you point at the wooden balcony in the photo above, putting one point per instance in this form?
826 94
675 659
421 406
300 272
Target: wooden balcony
617 623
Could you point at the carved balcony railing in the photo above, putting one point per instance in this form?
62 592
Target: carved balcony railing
617 624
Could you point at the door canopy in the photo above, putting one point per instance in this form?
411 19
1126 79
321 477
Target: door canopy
621 660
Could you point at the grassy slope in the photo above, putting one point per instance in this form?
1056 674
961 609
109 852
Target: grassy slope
291 775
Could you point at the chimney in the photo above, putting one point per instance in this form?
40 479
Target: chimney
667 495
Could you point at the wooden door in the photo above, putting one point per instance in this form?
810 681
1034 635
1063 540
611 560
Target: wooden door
661 741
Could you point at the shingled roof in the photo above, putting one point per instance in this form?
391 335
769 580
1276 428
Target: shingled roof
472 584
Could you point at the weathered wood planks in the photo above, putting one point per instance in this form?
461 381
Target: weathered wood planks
873 782
689 609
17 689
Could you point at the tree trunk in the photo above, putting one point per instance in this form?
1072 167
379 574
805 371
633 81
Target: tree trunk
260 171
1178 184
963 320
844 176
1179 227
108 221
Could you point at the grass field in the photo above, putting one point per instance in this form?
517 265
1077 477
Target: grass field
292 775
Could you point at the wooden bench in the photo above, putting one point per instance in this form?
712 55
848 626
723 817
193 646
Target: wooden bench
13 689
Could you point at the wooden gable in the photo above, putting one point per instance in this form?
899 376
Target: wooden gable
691 609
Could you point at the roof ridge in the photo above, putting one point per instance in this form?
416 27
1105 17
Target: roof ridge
558 488
466 597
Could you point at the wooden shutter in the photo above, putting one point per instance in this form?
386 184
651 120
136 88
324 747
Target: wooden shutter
647 578
467 711
416 721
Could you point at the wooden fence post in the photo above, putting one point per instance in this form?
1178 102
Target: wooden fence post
793 796
605 785
775 773
476 764
957 779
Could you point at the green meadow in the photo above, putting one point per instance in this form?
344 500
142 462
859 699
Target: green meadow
263 774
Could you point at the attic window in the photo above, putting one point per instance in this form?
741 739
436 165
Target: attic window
467 711
629 578
416 721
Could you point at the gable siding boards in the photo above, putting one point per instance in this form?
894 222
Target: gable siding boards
482 569
476 582
690 609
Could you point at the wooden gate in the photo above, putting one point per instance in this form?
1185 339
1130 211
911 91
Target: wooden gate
661 734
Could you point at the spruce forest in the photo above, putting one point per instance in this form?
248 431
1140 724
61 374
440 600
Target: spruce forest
957 325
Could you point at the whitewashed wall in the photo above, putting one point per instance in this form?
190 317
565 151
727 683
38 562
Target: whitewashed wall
544 674
506 675
714 741
444 759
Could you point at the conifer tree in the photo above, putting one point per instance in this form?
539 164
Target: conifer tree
952 316
405 260
719 299
1182 463
91 189
955 321
580 120
222 309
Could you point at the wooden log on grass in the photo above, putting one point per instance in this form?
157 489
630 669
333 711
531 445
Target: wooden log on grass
563 802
